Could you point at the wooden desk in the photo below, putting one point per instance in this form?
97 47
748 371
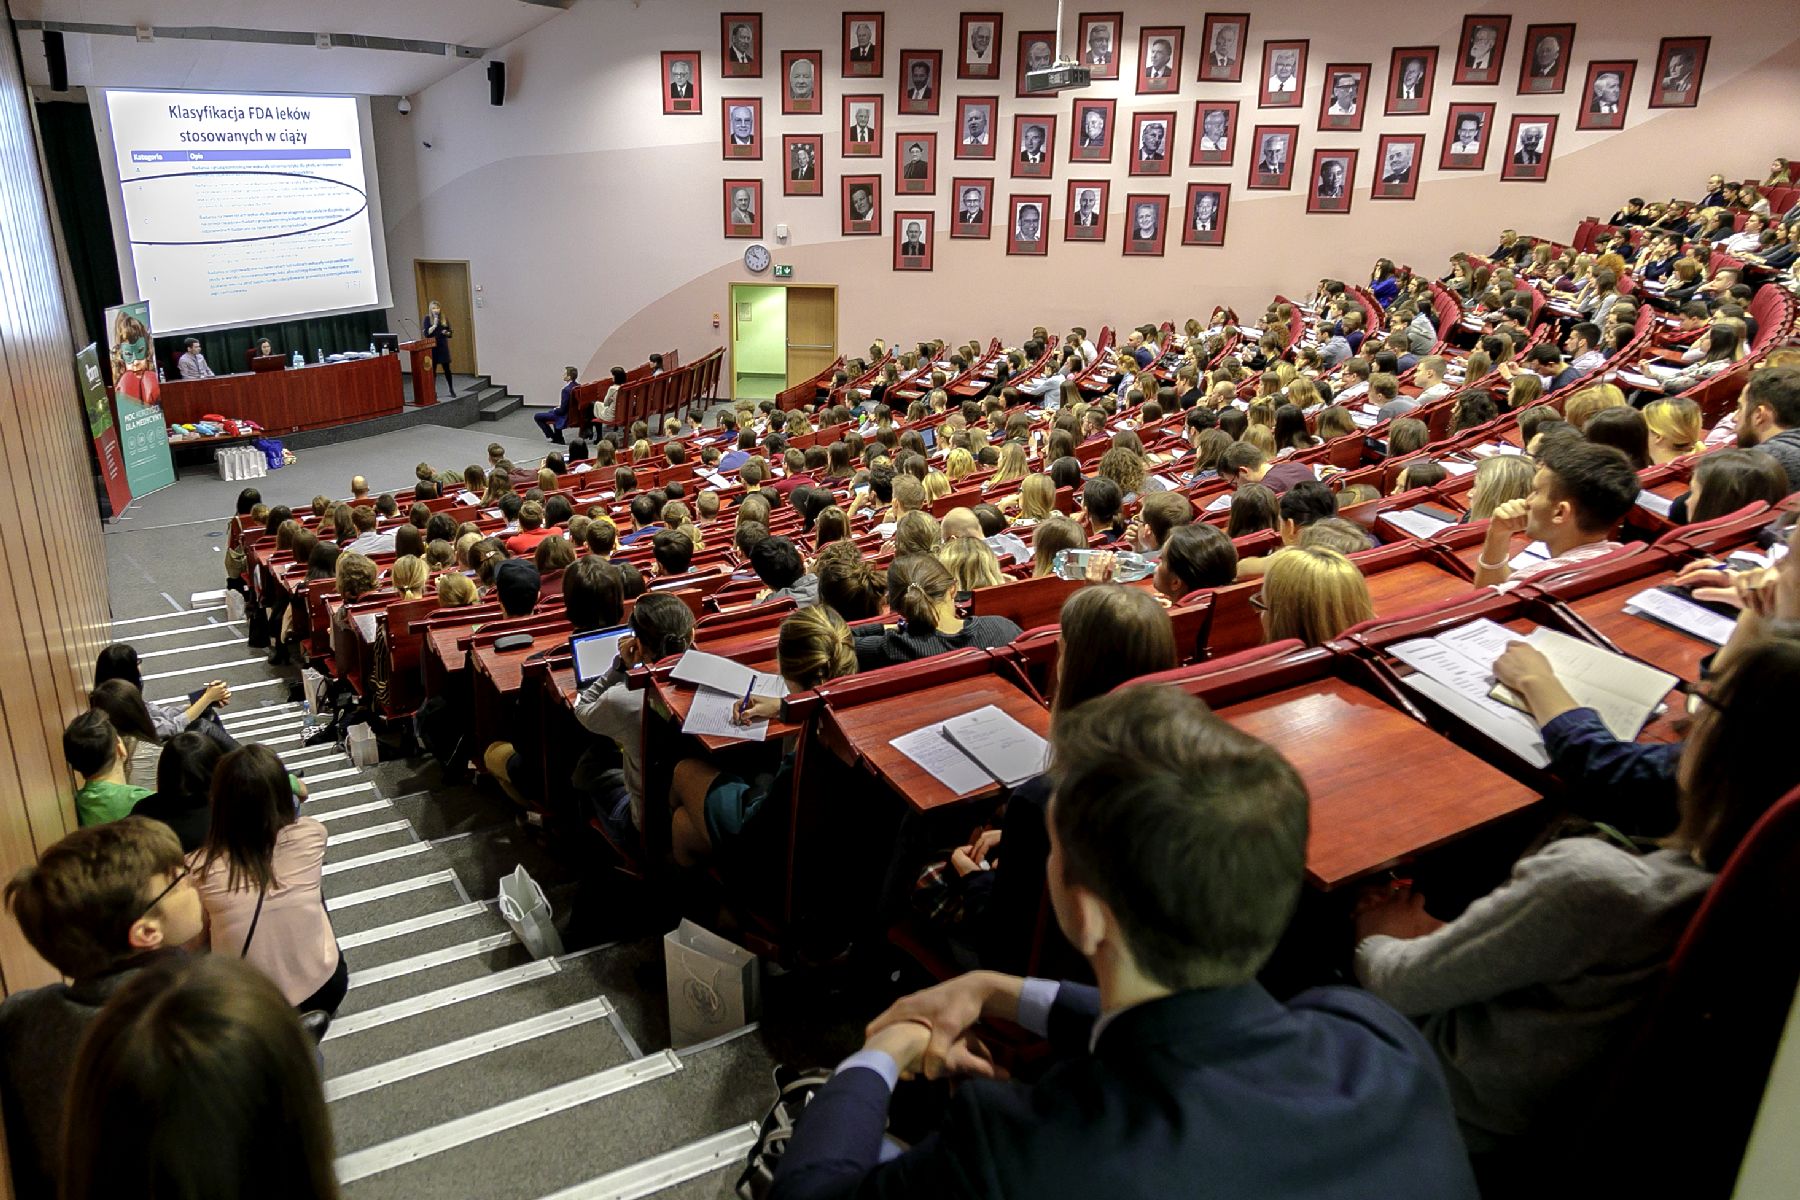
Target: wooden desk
1661 647
862 733
286 401
1383 786
418 358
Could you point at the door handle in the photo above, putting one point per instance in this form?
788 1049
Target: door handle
808 346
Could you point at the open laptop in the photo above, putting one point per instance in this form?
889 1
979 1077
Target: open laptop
594 652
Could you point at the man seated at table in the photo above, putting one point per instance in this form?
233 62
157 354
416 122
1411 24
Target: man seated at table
370 539
1177 847
1768 418
192 363
532 530
1583 345
1244 463
1580 492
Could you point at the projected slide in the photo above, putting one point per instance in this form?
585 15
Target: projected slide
243 208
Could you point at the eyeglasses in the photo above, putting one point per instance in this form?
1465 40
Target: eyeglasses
174 882
1258 603
1700 696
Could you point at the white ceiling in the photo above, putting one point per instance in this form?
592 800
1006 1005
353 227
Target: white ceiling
113 61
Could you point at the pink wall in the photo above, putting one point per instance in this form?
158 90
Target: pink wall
593 223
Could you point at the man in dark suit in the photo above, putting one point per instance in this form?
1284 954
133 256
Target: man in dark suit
1031 144
914 245
743 43
1087 206
861 133
1099 45
920 75
1530 150
1177 847
971 211
864 50
681 81
1273 159
802 167
915 167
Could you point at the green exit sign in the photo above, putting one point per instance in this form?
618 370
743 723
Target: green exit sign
784 271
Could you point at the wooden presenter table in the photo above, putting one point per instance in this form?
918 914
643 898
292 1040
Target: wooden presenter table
289 400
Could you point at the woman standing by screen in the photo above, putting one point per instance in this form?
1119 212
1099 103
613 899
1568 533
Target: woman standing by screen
438 330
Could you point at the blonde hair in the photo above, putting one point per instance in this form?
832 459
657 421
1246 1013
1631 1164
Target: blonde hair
1303 393
1676 420
1498 479
1013 465
409 574
937 486
1580 408
972 563
958 463
1037 497
1313 594
1262 437
455 590
1526 387
463 545
916 533
813 646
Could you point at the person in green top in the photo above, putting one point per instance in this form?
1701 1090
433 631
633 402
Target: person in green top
96 754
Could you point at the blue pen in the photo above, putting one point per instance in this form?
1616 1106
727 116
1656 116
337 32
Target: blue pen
744 705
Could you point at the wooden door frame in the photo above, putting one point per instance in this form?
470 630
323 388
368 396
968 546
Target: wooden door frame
784 285
419 298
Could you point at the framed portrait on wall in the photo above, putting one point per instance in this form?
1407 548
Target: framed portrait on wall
802 159
1146 224
1283 82
1331 182
1481 49
1159 59
861 196
1411 73
1037 52
681 82
1272 149
973 213
1084 216
1203 217
1466 130
921 72
1680 65
1544 63
865 44
800 81
742 129
1222 42
862 126
1346 96
1034 142
915 164
743 208
975 132
1398 160
1152 134
1100 34
1215 133
978 46
1606 94
1026 219
1528 145
740 45
1091 130
912 240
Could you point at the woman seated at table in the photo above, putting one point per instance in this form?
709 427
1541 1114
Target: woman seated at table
1312 594
1723 347
923 592
1675 428
1535 991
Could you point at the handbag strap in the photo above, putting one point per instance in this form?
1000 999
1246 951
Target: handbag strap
261 895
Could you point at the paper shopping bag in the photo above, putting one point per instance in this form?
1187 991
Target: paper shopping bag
527 911
714 986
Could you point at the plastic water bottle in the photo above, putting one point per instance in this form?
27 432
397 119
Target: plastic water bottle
298 361
159 376
371 349
309 724
321 357
1128 565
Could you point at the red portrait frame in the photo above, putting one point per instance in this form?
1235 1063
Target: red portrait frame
870 68
1014 203
1420 105
972 70
929 106
729 68
685 106
1152 166
1342 123
1260 181
1662 97
752 152
1467 76
1026 37
909 186
1116 20
802 187
1538 172
853 228
1209 73
1166 85
985 228
1216 236
901 219
789 105
1199 156
1585 115
1079 153
1336 205
1448 161
1096 232
1025 170
1379 187
1294 99
847 148
988 104
1147 248
755 228
1531 84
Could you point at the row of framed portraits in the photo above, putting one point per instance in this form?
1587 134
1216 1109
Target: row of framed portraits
1025 223
1468 138
1545 55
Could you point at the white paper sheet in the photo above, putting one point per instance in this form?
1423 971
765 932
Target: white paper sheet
710 715
1411 520
723 675
1649 501
1220 502
941 759
1006 749
1683 614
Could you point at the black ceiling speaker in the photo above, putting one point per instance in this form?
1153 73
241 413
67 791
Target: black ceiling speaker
496 84
57 59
